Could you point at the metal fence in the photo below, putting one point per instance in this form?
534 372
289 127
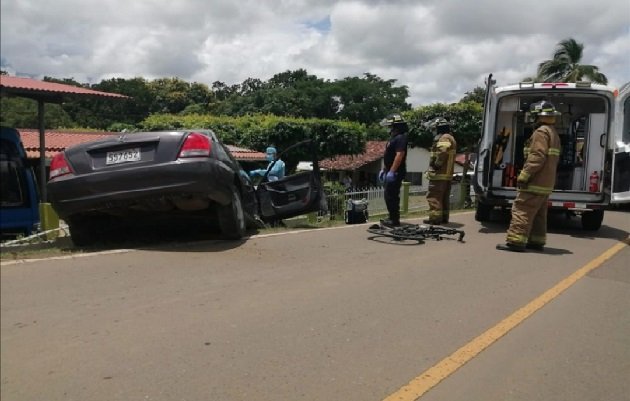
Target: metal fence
375 197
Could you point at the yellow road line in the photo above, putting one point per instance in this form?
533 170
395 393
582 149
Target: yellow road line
440 371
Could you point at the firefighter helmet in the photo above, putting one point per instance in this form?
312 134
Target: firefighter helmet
543 108
393 119
439 125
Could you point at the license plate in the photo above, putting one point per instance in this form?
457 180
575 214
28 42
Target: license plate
123 156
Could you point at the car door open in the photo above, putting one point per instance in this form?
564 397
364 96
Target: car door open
292 195
621 149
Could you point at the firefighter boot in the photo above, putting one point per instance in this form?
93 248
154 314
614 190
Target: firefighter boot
511 247
536 247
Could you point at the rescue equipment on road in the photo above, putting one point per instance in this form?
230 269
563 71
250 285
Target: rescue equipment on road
356 211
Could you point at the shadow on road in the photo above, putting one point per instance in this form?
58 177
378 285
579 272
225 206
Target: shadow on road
557 224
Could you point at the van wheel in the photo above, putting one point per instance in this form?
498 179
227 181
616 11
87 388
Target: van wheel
83 231
483 212
592 221
232 218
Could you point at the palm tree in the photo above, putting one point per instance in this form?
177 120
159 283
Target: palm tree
565 65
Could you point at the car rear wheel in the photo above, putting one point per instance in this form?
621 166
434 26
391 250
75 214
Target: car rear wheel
483 212
592 221
232 218
83 231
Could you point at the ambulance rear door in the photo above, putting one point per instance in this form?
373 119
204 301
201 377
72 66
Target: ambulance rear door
621 148
483 166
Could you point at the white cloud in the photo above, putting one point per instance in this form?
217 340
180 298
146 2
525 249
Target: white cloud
438 48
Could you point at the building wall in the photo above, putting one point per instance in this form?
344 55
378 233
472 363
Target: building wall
418 160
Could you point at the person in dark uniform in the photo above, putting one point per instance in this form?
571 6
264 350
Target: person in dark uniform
395 166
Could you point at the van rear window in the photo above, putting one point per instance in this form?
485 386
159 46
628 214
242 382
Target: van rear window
12 184
8 150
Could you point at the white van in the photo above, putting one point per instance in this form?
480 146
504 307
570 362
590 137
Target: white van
594 167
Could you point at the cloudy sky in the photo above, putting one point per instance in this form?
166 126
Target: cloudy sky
438 48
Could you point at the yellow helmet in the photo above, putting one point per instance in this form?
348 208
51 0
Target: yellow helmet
544 108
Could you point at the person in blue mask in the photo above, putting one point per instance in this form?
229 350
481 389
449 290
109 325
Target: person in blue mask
275 167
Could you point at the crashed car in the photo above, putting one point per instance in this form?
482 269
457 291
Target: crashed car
171 173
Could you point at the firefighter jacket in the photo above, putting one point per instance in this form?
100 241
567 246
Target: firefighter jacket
542 152
442 159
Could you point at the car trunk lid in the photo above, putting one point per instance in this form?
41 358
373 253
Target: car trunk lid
124 151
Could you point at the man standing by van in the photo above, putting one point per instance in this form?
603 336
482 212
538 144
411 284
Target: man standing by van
440 172
528 228
395 166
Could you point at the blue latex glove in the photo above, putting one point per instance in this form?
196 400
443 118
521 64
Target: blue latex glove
390 177
381 176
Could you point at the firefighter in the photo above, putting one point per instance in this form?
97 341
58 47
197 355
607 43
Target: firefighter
395 166
440 172
275 166
528 228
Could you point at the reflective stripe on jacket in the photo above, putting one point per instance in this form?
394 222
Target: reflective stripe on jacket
542 153
442 160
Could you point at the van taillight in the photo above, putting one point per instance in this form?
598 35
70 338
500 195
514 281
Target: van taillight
553 84
59 166
195 145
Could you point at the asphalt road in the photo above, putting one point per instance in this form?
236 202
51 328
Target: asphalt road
325 315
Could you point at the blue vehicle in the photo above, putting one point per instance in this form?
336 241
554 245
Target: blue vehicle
19 199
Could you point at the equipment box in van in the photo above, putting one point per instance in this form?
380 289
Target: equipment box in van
594 166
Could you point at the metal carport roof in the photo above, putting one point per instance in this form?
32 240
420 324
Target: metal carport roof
45 92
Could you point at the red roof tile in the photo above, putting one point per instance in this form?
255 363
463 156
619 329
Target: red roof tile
24 86
373 151
57 141
246 154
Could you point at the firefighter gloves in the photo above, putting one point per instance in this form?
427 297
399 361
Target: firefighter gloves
521 181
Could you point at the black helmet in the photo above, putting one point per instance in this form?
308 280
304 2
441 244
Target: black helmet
393 119
543 108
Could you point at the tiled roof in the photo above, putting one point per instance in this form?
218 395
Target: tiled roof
57 141
28 86
373 151
246 154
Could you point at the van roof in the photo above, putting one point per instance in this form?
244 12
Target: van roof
556 86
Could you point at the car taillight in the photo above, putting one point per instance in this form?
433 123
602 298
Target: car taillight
59 166
195 145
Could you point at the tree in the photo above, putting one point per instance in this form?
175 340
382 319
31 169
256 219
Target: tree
565 65
464 117
123 111
370 98
20 112
476 95
170 94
